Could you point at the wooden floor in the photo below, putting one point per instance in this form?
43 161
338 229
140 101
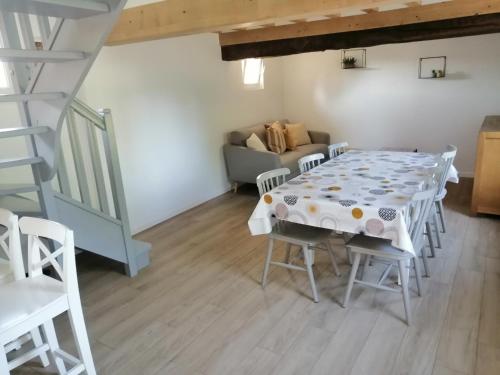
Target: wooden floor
199 309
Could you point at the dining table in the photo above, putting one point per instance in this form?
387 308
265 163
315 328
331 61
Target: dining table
360 191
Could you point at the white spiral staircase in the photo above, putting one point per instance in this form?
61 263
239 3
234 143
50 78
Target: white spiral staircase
49 46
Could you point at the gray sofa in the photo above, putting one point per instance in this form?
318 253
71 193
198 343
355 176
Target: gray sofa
244 164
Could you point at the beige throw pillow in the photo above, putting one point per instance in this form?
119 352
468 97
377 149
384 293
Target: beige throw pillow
254 143
299 133
291 141
276 138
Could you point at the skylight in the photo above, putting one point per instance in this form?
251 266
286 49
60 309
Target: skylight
253 73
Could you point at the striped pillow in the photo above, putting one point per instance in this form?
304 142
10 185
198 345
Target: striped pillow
276 138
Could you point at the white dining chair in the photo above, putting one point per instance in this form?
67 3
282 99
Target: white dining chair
381 249
37 300
306 163
12 269
11 262
307 238
337 149
436 214
448 157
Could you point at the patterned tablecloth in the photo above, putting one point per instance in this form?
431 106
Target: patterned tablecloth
357 192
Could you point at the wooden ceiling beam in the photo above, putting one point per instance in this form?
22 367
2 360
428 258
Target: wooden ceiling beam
402 16
169 18
411 4
370 10
452 28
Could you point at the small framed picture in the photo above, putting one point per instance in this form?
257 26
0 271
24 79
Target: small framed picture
353 58
432 67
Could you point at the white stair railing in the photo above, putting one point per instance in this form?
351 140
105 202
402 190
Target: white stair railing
89 170
50 46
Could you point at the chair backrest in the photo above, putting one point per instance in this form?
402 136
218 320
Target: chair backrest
337 149
447 158
418 213
269 180
308 162
10 243
39 255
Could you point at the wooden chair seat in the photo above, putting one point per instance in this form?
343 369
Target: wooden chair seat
300 234
27 298
376 247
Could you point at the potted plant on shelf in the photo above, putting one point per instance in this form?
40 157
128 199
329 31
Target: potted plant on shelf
349 62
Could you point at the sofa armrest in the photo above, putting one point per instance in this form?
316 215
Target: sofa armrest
319 137
244 164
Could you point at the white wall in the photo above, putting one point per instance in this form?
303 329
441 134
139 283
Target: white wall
173 101
386 105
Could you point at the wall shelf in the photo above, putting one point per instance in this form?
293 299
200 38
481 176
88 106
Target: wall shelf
432 67
358 54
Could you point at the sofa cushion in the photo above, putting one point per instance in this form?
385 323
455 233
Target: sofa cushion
291 141
299 133
239 137
254 143
276 138
290 159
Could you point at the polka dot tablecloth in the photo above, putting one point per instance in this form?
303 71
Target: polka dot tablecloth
357 192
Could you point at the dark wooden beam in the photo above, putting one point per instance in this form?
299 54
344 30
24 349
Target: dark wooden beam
458 27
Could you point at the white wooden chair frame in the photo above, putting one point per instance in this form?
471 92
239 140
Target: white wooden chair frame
437 211
13 254
11 249
417 215
67 300
337 149
448 158
281 232
306 163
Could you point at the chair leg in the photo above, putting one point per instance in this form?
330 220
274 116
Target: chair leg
332 258
288 253
37 340
349 255
77 322
418 274
307 260
366 264
441 215
404 285
428 232
438 235
50 334
352 276
425 260
4 364
268 261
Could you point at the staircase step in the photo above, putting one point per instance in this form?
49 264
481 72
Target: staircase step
11 189
142 250
42 96
34 56
20 205
56 8
17 162
19 132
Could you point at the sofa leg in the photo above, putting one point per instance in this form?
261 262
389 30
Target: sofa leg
235 187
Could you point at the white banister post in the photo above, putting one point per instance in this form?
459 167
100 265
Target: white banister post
113 162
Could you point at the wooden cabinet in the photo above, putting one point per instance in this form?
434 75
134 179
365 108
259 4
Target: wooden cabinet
486 193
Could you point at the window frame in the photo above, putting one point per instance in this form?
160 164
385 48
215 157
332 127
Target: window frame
259 85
